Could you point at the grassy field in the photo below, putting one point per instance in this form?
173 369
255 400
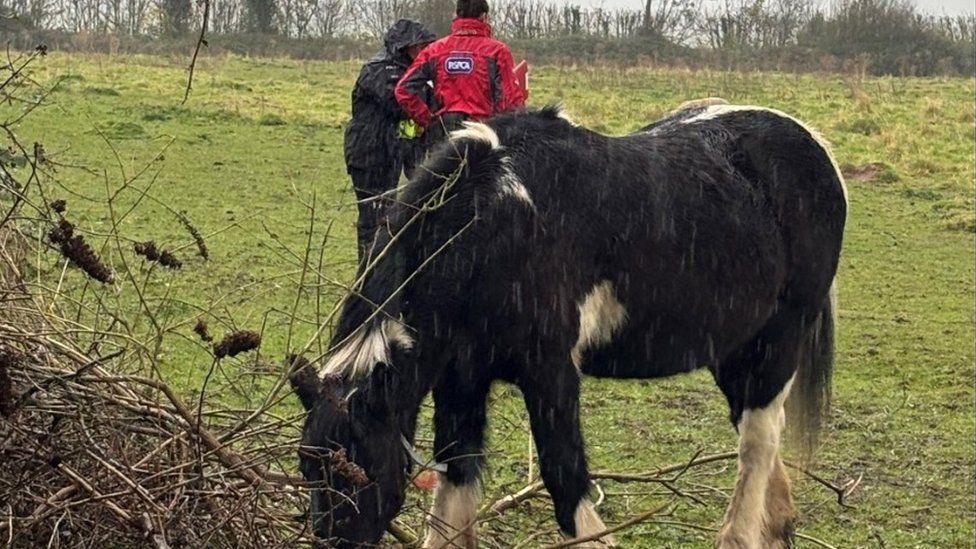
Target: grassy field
255 161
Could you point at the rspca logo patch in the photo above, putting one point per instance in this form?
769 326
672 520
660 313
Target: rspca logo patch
459 64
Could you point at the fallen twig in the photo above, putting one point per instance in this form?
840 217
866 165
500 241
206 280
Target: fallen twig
841 491
622 526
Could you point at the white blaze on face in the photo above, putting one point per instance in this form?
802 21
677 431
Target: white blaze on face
364 349
452 521
716 111
600 317
476 131
759 437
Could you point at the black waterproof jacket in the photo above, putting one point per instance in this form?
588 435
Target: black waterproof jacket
370 140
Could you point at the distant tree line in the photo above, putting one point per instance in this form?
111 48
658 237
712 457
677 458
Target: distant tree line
888 36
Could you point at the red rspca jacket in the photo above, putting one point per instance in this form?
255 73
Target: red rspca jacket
471 73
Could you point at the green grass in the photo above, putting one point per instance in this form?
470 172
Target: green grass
260 140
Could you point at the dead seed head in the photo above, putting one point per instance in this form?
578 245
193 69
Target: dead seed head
339 463
147 249
202 330
40 154
75 249
236 343
167 259
151 252
197 237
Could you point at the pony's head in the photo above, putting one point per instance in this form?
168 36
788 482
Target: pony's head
352 453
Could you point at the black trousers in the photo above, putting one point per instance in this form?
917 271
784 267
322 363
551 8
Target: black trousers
441 126
370 184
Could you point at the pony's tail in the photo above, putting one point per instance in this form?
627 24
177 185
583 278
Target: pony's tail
809 400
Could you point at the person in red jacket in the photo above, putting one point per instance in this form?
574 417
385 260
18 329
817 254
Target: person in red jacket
472 73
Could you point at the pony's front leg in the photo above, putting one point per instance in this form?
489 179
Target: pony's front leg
553 405
459 422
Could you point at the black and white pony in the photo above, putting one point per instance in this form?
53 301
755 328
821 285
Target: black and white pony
532 250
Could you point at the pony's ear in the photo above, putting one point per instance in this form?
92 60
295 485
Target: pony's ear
304 380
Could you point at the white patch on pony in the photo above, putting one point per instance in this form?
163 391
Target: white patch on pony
363 350
698 104
588 523
715 111
560 113
759 437
510 184
477 131
601 316
452 522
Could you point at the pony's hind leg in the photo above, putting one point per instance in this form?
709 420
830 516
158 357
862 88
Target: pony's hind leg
757 381
459 422
553 406
780 512
762 488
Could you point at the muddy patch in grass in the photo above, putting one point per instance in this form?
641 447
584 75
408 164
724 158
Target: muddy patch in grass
878 172
96 90
122 130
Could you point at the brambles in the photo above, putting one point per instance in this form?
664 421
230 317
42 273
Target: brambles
70 450
97 449
75 249
9 361
236 343
94 440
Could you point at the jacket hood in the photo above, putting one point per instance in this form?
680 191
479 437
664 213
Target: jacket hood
469 26
405 33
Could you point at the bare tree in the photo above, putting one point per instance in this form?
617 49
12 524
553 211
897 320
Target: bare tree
261 16
226 16
374 17
175 16
671 19
329 18
25 14
82 15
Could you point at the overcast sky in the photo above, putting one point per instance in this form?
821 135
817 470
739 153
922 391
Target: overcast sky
939 7
951 7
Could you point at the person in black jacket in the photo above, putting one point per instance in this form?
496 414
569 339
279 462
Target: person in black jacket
375 152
